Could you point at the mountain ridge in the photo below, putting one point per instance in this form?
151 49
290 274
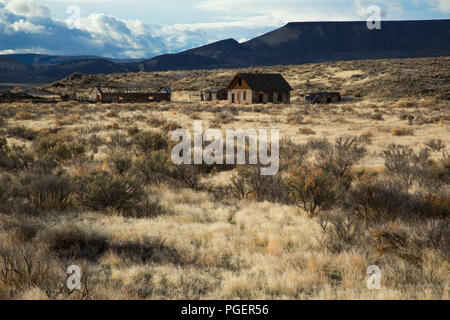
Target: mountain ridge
294 43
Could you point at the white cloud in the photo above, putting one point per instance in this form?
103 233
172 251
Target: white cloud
27 8
26 25
442 5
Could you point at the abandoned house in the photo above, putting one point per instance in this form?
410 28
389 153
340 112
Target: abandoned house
259 88
130 94
322 97
30 95
214 94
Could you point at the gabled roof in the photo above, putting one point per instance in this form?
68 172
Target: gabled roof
264 81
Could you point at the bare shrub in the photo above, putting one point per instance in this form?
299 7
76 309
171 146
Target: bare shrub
405 164
341 230
312 189
48 191
377 200
338 159
23 266
435 144
248 183
119 140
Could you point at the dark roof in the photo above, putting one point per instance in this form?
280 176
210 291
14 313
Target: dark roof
323 93
132 90
265 81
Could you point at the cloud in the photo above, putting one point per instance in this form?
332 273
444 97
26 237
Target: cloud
27 8
27 26
441 5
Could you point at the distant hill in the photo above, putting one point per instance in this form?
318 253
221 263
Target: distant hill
295 43
303 42
38 60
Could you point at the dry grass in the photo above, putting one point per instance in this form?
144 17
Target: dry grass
177 242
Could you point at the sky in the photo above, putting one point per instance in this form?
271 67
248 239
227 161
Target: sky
145 28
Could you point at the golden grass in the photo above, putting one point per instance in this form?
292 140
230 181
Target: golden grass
241 249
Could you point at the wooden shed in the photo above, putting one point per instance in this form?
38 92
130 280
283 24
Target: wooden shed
213 94
322 97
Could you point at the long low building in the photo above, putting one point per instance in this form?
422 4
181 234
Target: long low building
130 94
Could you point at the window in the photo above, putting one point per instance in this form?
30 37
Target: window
240 82
245 96
280 97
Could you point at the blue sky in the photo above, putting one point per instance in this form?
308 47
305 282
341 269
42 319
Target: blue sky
138 28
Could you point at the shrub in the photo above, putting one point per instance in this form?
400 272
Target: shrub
435 144
48 191
23 115
170 126
312 189
154 166
379 200
6 191
402 132
187 173
403 163
155 122
3 122
150 141
248 183
59 146
23 266
377 116
120 162
105 191
131 131
337 160
22 132
306 131
147 209
15 157
341 230
119 140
